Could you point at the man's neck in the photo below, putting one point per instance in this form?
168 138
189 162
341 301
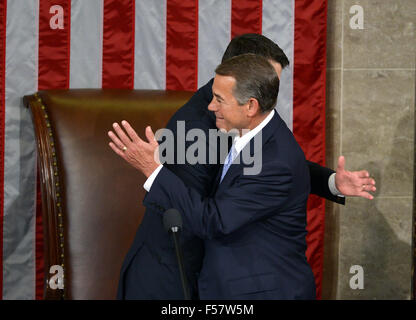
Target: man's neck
254 123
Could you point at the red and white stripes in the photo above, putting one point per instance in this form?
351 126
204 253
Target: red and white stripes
309 112
142 44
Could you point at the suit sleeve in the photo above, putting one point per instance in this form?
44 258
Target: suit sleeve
319 182
249 199
199 176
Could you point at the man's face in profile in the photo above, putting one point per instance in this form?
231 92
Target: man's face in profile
229 114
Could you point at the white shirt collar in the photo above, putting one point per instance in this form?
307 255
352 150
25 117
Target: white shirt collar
240 142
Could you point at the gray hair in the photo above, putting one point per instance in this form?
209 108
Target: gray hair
255 78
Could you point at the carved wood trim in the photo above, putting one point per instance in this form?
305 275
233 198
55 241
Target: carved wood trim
52 206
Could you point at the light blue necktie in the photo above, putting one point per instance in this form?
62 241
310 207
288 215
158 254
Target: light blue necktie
228 161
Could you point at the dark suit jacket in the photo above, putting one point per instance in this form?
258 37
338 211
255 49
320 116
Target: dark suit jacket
150 269
254 226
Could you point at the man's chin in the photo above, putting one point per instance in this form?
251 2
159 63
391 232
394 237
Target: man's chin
220 125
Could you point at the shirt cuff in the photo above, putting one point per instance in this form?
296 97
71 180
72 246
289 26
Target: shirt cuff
148 184
332 187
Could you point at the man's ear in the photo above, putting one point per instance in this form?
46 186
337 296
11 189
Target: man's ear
253 107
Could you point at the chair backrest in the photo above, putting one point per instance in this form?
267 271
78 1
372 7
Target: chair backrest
91 198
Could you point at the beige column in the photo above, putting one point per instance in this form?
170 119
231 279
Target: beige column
370 120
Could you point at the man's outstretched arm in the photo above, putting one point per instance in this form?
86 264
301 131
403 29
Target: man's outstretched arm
335 185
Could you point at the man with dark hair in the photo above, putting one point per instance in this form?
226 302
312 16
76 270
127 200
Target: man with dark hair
256 44
150 268
253 226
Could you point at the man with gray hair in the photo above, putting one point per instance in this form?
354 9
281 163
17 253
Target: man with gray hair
253 226
150 269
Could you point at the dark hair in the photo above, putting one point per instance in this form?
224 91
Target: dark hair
254 77
256 44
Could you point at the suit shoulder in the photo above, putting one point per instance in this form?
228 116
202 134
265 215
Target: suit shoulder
195 110
283 148
283 145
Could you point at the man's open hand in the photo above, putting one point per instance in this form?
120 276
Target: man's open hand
142 155
354 183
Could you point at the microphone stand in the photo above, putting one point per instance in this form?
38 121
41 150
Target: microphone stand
179 256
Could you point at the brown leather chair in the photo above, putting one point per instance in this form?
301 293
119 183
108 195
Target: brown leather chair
91 198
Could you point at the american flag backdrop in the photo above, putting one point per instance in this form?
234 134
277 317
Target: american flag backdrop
140 44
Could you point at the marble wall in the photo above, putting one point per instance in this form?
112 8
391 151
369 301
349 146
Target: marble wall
370 120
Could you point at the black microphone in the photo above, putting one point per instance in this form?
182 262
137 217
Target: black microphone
172 221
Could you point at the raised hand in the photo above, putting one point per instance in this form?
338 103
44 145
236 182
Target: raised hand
354 183
142 155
